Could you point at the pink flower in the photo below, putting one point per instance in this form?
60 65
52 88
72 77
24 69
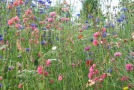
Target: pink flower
46 73
10 22
95 43
129 67
28 12
91 69
48 62
87 48
103 76
90 75
60 78
64 19
96 35
40 70
17 26
65 9
117 54
20 86
50 19
52 14
124 78
103 29
73 65
16 19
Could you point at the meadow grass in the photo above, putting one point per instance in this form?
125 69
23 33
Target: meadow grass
25 48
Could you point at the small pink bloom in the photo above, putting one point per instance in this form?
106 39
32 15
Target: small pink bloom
84 26
96 72
95 43
90 75
17 26
103 76
73 65
10 22
20 86
50 19
46 73
129 67
124 78
48 62
21 2
60 78
100 79
52 14
25 19
117 54
87 48
16 19
91 69
1 78
28 12
94 65
65 9
16 3
64 19
96 35
40 70
103 29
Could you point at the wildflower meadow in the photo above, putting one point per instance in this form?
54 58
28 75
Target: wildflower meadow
47 47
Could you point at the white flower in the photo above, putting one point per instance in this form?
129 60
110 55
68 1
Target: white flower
54 48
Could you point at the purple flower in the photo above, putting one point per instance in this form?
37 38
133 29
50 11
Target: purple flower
78 15
87 48
110 70
27 49
1 37
41 1
117 54
124 9
104 34
49 1
119 20
90 16
129 67
0 85
43 42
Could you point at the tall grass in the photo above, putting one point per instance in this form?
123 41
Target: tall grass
63 42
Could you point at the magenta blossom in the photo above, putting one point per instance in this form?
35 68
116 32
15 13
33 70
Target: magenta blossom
117 54
87 48
129 67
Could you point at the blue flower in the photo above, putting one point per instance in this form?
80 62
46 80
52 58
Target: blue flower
119 20
43 42
27 1
123 16
49 1
78 15
124 9
110 70
27 49
0 85
90 16
106 26
111 25
33 5
1 37
104 34
41 1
